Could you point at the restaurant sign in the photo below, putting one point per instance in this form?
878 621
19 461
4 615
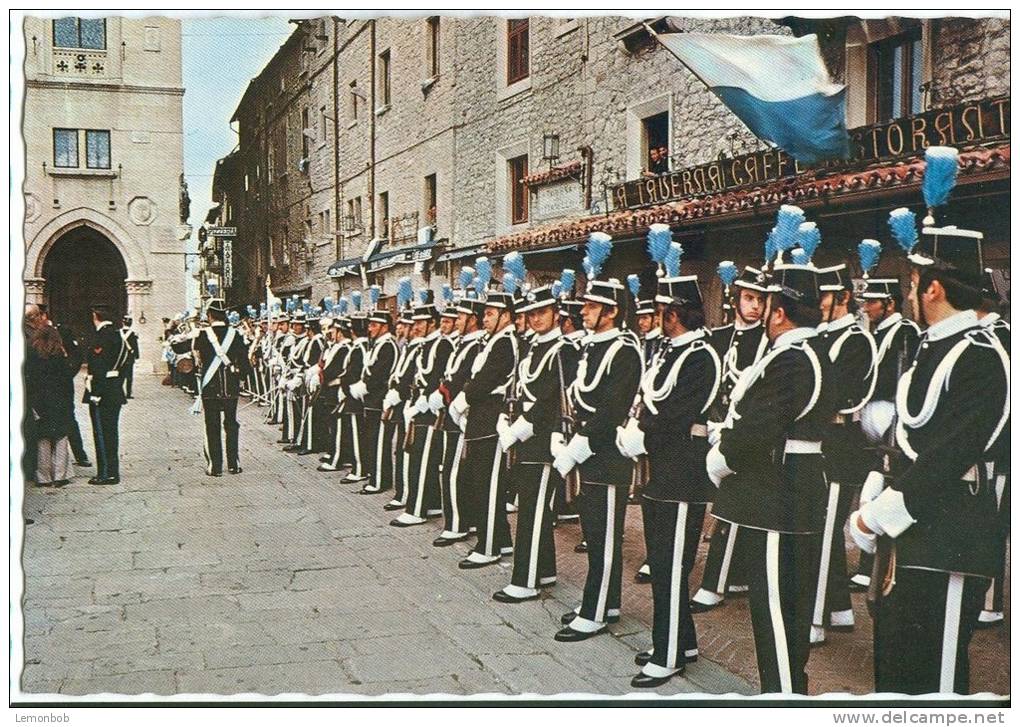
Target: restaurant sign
962 125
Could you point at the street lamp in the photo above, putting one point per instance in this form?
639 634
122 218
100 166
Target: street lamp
550 148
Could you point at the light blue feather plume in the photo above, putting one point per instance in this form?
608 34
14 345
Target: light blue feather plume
556 288
356 300
327 302
634 284
447 292
941 166
600 245
659 237
374 291
344 306
903 224
809 237
306 305
483 268
868 253
233 317
567 281
513 263
467 274
727 272
423 295
672 261
770 246
788 221
800 256
510 283
291 305
337 310
404 292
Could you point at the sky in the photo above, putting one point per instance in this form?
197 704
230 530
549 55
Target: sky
220 56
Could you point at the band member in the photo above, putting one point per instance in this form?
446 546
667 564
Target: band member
375 377
399 389
740 345
104 393
938 516
470 311
852 353
222 355
542 378
477 409
896 340
131 342
769 468
677 390
601 402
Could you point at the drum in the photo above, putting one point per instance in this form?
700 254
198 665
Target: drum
185 366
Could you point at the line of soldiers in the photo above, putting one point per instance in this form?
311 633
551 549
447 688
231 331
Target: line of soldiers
780 424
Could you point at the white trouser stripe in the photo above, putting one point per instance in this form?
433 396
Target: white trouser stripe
205 443
490 521
1000 489
951 633
378 454
454 472
607 555
406 474
823 568
990 597
339 432
776 612
676 573
724 569
537 528
423 472
357 446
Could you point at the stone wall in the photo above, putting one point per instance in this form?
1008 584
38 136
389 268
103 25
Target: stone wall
971 59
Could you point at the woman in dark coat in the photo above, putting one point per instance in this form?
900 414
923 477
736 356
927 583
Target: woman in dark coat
49 399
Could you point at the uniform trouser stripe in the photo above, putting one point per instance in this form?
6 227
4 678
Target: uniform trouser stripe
951 633
423 471
454 525
357 445
823 569
776 612
724 569
336 447
676 574
380 436
607 555
536 533
490 520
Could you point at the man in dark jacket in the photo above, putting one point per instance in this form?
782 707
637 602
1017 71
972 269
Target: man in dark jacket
104 393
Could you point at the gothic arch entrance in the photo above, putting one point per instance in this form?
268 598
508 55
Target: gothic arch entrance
84 268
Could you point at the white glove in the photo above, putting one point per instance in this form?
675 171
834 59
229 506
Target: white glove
715 432
502 425
619 443
887 514
556 444
421 405
716 465
874 483
436 402
522 430
312 380
506 440
633 440
391 399
578 449
564 462
460 403
462 424
876 418
867 542
455 416
408 414
359 390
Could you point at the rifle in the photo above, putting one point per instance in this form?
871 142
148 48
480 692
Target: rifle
569 425
511 408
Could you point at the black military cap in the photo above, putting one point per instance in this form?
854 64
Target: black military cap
953 250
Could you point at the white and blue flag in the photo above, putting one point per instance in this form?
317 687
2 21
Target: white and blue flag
777 85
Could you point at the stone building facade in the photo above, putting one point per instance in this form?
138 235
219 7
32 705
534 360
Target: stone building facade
105 217
439 119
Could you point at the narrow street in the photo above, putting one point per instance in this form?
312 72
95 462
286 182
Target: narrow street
280 580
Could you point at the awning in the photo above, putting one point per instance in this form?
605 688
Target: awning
348 266
459 253
402 256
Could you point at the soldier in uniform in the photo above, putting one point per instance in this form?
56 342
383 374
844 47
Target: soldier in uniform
767 462
333 378
601 401
104 393
131 341
294 381
290 330
936 521
677 390
333 361
572 331
646 320
739 344
222 355
852 354
394 430
458 368
896 341
312 426
351 410
478 406
370 391
542 377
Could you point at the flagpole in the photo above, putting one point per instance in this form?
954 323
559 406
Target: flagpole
672 53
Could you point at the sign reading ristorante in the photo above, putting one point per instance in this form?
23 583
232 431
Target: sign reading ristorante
966 124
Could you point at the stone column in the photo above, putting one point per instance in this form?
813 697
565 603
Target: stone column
146 324
35 290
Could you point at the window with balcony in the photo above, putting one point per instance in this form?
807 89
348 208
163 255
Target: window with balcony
517 170
896 70
87 33
517 51
65 148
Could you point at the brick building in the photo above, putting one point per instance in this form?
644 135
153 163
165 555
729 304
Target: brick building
459 136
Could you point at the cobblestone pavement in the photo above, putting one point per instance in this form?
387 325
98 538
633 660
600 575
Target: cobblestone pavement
281 580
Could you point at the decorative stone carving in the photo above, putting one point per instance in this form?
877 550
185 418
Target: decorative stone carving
35 290
140 287
142 210
33 208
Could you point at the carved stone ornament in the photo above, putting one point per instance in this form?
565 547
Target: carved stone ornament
142 210
32 208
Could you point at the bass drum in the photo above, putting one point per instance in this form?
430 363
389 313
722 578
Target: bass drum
185 366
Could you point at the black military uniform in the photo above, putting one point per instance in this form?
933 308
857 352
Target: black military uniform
352 411
104 393
651 343
375 377
312 426
133 354
768 462
738 346
608 376
480 403
852 354
677 389
940 513
334 361
541 381
223 360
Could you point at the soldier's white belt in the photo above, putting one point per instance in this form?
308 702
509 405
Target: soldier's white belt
112 374
802 446
699 430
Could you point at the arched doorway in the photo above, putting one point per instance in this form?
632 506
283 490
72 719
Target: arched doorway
84 268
